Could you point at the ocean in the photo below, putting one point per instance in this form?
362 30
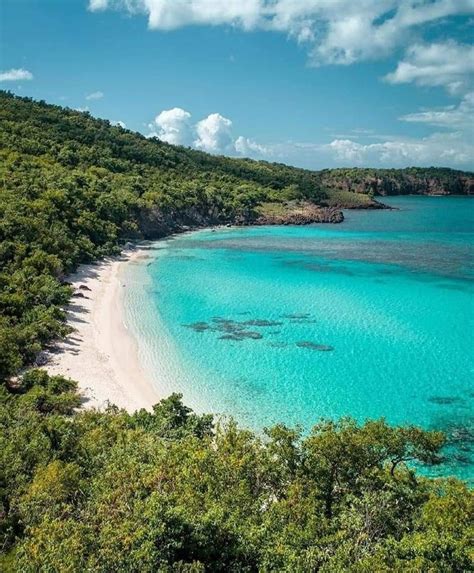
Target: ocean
370 318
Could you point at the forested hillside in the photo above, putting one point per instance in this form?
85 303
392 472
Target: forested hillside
170 490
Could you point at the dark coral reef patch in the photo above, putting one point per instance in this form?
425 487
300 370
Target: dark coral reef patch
314 346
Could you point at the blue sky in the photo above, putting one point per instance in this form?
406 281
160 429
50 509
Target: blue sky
314 83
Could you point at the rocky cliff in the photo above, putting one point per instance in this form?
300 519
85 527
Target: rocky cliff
155 223
413 181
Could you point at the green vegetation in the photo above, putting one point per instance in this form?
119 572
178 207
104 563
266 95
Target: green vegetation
413 180
170 490
347 199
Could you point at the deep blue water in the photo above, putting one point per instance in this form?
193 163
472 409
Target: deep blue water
370 318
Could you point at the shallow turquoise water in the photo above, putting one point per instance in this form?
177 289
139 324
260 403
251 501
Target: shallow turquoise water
370 318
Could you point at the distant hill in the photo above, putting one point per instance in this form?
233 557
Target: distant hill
413 180
157 187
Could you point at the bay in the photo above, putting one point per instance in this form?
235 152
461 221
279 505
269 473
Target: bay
370 318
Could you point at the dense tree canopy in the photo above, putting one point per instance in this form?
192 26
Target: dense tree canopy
171 490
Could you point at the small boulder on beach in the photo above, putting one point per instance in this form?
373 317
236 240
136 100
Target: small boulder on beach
79 295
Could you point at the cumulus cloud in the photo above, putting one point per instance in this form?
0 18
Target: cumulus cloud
118 123
173 126
250 148
335 31
453 147
94 95
15 75
214 134
172 14
449 65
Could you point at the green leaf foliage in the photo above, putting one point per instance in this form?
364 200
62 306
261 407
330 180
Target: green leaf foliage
169 490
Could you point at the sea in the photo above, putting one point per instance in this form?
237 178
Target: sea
371 318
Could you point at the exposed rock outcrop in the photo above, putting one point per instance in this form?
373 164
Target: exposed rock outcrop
399 182
156 224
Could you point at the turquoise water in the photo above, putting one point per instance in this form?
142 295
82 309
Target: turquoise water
370 318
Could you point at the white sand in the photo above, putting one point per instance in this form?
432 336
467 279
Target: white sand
101 354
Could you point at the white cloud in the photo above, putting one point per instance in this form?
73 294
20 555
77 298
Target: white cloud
335 31
15 75
437 149
119 123
459 116
214 134
96 5
250 148
449 65
173 126
347 150
454 147
94 95
451 149
170 14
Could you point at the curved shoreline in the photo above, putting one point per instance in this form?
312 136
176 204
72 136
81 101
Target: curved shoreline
101 354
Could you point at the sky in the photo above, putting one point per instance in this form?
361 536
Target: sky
312 83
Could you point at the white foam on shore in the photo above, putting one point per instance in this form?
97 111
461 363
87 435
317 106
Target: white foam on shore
157 352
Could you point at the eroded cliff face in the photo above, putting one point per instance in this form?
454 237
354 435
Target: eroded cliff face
154 223
403 184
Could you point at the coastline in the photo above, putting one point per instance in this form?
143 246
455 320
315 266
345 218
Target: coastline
101 354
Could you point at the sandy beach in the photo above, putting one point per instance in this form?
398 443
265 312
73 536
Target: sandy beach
101 354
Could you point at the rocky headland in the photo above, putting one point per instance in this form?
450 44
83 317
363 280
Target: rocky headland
410 181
